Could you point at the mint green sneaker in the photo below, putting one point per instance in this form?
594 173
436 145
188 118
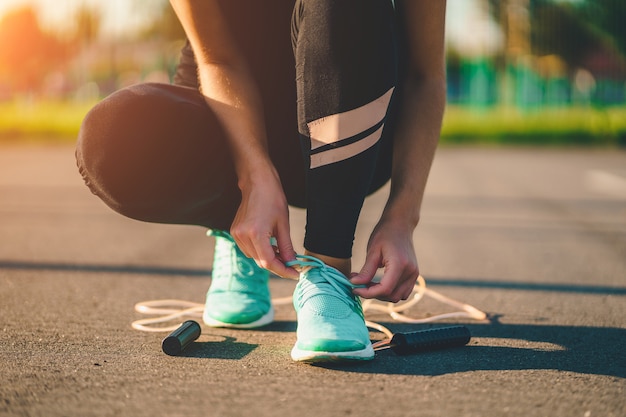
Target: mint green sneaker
239 295
331 326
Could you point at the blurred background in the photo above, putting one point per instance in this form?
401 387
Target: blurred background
549 72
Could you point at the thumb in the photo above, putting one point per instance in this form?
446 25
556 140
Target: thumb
367 271
286 251
285 246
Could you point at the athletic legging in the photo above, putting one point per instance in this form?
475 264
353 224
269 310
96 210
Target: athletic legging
326 70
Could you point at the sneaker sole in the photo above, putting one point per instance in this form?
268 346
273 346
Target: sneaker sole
312 356
263 321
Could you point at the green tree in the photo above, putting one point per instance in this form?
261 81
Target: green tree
607 17
571 30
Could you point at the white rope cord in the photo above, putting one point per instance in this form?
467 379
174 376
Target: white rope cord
171 310
167 311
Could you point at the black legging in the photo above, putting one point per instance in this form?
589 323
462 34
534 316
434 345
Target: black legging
156 152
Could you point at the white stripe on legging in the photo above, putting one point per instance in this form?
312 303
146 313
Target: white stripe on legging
336 127
344 152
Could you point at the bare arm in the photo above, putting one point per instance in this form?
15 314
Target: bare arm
417 135
231 92
421 110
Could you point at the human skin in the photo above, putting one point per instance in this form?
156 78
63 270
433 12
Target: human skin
229 90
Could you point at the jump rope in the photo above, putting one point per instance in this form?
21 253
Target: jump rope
182 335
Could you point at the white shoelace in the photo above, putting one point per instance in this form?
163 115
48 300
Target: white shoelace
170 310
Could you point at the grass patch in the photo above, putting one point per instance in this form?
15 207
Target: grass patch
41 120
60 121
548 126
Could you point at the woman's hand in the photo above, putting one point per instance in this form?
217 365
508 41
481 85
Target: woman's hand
263 214
390 247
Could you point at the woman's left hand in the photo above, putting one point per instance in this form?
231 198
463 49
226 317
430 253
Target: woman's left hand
390 247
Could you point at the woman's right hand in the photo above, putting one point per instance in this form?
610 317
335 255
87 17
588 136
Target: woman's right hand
263 214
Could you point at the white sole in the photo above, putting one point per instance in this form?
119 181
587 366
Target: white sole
312 356
263 321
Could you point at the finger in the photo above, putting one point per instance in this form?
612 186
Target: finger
264 251
384 290
285 271
368 271
286 253
405 290
375 291
406 284
277 267
266 258
244 244
285 246
248 241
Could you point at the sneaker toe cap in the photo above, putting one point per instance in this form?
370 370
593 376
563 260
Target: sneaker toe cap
230 310
331 345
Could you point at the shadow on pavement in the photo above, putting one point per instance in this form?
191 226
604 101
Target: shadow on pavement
494 346
502 347
225 349
527 286
204 273
122 269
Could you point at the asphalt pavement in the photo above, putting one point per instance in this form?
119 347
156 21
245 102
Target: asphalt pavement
535 237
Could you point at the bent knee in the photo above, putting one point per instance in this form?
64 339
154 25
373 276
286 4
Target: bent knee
115 137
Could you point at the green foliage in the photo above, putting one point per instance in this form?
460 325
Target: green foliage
607 16
549 126
53 120
60 121
577 31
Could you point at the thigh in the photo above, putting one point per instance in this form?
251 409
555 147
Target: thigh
347 58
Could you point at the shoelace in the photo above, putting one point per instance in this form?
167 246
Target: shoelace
227 252
171 310
327 275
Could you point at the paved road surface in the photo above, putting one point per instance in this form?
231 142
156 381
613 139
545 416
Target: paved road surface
537 238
